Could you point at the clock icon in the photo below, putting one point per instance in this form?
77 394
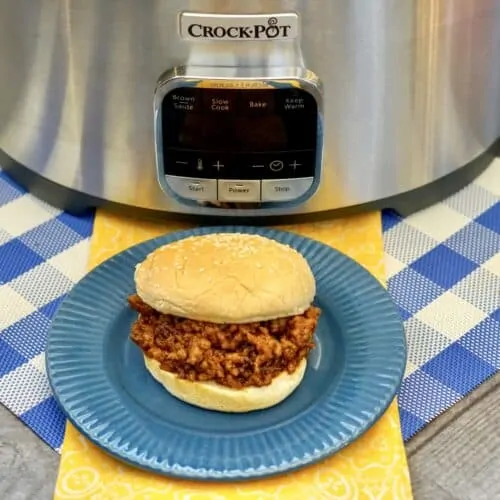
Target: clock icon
276 165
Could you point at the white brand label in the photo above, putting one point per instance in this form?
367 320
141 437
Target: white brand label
239 27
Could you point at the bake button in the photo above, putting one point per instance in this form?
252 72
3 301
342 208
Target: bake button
193 188
245 191
285 189
259 102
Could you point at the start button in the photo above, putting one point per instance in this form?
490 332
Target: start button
192 188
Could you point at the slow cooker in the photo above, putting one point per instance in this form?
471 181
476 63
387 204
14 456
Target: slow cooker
247 108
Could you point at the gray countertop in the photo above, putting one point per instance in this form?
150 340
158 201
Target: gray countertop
457 457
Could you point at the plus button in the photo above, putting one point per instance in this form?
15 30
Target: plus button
294 165
218 165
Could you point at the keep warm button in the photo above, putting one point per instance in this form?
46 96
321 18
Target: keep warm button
243 191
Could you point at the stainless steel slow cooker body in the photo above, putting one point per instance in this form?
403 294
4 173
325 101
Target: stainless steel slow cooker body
407 91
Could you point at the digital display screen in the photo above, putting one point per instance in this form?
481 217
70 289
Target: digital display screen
239 133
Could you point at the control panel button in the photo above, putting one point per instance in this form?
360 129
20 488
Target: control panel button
294 101
193 188
285 189
219 101
256 103
187 100
276 165
239 190
218 165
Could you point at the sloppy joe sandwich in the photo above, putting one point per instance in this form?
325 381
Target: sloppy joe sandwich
226 320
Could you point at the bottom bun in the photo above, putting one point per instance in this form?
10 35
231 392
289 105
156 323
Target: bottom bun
212 396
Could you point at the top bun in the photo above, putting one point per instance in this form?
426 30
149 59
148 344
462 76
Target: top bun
226 278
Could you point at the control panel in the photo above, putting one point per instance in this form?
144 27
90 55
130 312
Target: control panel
256 145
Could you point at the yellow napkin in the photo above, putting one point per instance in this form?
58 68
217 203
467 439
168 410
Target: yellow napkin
374 467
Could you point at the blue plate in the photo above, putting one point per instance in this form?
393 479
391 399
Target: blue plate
98 375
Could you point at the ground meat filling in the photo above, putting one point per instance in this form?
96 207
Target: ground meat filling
235 356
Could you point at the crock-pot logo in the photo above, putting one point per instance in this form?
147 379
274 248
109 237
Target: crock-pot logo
270 30
239 27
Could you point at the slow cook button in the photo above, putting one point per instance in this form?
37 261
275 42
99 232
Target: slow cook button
193 188
285 189
244 191
219 101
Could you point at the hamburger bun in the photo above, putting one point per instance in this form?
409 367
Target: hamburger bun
226 278
212 396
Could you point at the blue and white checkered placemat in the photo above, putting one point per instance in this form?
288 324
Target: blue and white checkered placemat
43 253
443 270
443 267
